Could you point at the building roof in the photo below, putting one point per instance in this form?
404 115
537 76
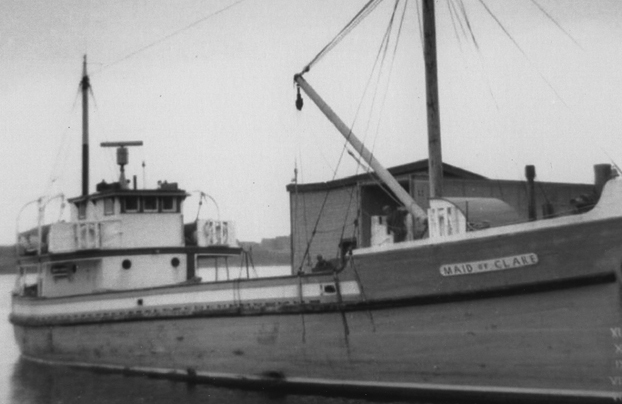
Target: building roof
419 167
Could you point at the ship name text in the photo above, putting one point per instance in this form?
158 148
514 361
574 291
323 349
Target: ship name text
495 264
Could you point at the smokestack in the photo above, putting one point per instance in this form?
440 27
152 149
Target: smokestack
530 173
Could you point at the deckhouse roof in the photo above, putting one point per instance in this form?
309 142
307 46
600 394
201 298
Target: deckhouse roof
106 190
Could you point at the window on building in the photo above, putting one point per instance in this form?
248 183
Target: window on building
131 204
82 210
168 204
109 206
150 204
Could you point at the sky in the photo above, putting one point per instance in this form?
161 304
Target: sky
207 86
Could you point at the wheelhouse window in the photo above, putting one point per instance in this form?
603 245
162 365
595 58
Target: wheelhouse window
169 204
131 204
109 206
150 204
82 210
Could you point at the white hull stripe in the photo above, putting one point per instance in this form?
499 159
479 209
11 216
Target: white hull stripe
226 296
356 385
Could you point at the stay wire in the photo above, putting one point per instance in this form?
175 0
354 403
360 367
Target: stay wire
384 51
475 45
62 154
166 37
454 18
377 66
550 17
323 205
419 20
523 52
468 23
360 16
382 105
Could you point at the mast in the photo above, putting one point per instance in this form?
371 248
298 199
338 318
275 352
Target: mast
435 160
401 194
84 86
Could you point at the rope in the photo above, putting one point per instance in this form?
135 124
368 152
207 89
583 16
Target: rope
172 34
454 17
556 23
468 24
343 150
397 40
471 36
494 17
360 16
358 280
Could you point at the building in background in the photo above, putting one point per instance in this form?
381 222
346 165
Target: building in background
328 218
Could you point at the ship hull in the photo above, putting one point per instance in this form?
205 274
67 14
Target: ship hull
533 311
538 343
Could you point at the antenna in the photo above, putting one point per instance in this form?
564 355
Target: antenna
122 157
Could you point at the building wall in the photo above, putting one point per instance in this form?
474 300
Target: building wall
342 205
338 217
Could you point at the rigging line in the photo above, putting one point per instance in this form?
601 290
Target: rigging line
362 97
384 47
611 159
503 28
382 53
345 222
374 178
369 172
453 23
420 23
358 109
172 34
543 192
299 198
454 11
364 12
62 148
343 150
360 283
110 160
368 169
523 52
550 17
384 99
304 210
468 23
479 52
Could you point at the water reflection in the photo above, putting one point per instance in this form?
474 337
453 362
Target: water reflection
34 383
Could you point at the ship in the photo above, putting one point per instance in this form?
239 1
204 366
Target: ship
454 310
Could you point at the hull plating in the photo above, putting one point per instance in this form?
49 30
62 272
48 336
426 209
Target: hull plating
546 340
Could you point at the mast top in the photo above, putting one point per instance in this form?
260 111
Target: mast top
85 82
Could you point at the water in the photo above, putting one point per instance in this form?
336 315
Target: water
23 382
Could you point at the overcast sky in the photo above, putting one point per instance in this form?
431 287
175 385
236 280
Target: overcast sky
214 103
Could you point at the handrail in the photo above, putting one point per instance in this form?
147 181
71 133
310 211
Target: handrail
42 202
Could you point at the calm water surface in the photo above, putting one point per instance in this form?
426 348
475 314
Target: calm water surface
23 382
